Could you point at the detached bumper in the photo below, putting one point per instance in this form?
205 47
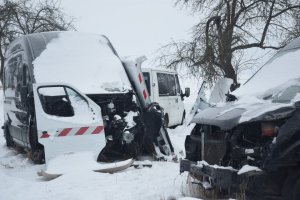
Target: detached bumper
220 177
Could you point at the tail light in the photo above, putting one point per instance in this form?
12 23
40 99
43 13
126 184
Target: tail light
268 129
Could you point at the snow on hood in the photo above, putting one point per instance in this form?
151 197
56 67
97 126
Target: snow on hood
83 60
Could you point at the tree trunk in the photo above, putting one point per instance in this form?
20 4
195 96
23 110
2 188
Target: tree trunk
230 72
2 64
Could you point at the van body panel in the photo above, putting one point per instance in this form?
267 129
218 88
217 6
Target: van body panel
65 131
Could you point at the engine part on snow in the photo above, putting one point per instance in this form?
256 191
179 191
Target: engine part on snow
115 167
48 176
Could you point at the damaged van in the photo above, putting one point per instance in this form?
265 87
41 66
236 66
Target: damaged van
69 92
249 147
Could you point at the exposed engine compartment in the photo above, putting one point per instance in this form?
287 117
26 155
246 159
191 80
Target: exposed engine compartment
122 124
246 144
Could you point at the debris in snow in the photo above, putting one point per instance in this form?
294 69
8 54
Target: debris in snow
248 168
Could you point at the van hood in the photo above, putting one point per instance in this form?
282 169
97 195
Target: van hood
87 61
232 114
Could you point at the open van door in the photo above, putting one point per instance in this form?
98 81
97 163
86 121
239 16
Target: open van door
67 121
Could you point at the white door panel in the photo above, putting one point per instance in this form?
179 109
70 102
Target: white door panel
67 121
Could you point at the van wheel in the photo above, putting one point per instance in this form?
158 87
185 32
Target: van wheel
291 185
38 156
37 150
8 138
166 121
183 117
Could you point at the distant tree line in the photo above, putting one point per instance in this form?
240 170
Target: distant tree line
227 29
20 17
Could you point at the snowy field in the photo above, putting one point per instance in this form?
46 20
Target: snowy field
19 179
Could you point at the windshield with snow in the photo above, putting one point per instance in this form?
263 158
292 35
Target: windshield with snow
278 79
85 61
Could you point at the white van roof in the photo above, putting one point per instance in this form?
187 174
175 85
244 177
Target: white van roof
86 61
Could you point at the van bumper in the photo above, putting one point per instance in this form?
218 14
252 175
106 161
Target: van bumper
220 177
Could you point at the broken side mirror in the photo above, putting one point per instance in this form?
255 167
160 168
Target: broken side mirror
187 92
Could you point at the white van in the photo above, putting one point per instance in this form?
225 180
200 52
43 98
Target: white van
164 88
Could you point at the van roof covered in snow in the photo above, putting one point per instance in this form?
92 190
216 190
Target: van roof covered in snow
86 61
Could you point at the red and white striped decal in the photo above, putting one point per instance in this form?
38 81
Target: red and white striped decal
74 132
140 77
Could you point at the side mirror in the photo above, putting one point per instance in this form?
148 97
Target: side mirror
187 92
24 92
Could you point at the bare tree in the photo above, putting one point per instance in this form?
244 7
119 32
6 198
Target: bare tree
22 17
229 28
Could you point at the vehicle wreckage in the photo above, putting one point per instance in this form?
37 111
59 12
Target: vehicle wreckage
249 146
68 92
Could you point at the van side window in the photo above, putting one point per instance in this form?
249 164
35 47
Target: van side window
12 76
166 84
147 81
178 89
171 85
55 101
163 88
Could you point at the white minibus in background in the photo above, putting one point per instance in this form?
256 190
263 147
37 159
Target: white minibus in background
164 88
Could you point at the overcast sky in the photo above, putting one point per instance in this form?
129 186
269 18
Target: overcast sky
135 27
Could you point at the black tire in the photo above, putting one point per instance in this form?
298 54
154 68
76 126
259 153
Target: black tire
38 156
8 137
37 150
291 187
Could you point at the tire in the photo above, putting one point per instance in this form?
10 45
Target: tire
8 138
291 187
37 150
38 156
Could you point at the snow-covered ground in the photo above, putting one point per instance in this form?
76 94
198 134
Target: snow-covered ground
19 180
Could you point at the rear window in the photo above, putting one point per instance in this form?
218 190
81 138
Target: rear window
166 84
